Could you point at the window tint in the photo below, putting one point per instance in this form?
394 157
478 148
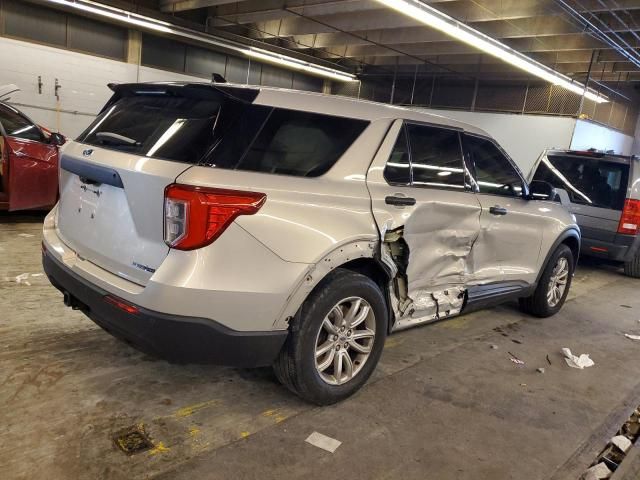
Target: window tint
494 173
588 181
436 157
397 171
174 128
298 143
15 125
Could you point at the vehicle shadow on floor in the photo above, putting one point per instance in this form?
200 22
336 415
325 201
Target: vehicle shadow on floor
23 217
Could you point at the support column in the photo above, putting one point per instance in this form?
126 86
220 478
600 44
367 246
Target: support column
134 47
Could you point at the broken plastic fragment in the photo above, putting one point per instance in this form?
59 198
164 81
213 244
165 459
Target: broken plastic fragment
540 370
632 337
26 235
583 361
515 359
622 442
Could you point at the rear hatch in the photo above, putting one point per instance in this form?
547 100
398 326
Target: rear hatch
596 185
113 179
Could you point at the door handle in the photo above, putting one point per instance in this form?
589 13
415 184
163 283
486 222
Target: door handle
497 210
400 201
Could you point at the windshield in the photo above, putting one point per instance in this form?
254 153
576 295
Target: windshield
588 181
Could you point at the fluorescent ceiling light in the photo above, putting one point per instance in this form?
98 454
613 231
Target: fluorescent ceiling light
164 27
296 64
460 31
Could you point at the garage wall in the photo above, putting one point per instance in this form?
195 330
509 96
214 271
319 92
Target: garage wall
636 146
524 137
591 135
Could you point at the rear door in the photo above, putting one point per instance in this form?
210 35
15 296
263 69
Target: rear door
112 183
31 162
428 216
511 226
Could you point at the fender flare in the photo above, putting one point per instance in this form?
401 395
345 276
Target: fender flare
570 232
338 256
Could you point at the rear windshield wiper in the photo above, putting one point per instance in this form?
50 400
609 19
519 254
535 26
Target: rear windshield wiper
116 139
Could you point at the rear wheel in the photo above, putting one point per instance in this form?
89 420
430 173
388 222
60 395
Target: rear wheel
553 287
632 267
336 340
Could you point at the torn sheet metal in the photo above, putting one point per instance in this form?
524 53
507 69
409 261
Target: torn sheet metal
430 257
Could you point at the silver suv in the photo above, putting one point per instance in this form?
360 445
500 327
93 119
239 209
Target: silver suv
603 192
250 227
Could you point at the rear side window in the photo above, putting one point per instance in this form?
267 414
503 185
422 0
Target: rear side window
426 156
436 157
15 125
297 143
588 181
494 173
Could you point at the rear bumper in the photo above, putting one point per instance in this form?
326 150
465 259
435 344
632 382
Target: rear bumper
622 249
175 338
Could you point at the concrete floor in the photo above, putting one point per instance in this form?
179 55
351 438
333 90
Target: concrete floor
441 405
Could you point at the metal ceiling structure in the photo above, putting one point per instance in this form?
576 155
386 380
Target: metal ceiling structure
565 35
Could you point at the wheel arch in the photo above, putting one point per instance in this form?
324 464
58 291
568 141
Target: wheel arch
357 256
569 237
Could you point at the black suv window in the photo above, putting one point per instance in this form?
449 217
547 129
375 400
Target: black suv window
224 132
398 168
436 157
299 143
588 181
494 173
15 125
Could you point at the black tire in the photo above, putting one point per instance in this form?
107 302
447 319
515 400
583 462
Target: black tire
632 267
295 366
537 304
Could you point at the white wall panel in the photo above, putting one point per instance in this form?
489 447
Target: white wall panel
591 135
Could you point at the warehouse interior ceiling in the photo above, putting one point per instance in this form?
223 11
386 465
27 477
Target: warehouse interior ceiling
400 60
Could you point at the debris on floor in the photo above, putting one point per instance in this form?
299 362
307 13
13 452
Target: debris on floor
23 278
610 458
597 472
133 439
540 370
494 347
515 359
322 441
583 361
632 337
548 360
26 235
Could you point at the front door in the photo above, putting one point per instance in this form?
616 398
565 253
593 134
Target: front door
511 226
30 162
428 217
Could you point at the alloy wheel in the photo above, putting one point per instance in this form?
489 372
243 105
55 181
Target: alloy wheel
558 282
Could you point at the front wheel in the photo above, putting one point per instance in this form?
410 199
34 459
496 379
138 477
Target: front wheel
553 287
336 339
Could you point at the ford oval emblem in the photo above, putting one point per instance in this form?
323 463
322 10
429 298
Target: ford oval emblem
88 152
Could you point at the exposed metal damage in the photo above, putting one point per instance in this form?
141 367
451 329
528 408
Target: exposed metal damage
432 284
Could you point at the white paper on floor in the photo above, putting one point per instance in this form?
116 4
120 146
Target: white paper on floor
632 337
597 472
622 442
574 361
322 441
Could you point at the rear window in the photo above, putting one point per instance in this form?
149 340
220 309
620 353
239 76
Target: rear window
224 132
588 181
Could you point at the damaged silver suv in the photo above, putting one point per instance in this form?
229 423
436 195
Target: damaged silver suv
255 226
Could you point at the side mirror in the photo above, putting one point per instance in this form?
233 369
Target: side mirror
57 139
539 190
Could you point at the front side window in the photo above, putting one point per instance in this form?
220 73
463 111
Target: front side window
15 125
494 173
587 181
436 157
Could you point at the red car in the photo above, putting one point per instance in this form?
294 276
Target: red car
28 162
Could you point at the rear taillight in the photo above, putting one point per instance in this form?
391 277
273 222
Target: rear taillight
630 219
195 216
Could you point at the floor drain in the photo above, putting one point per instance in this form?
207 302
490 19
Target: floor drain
132 440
